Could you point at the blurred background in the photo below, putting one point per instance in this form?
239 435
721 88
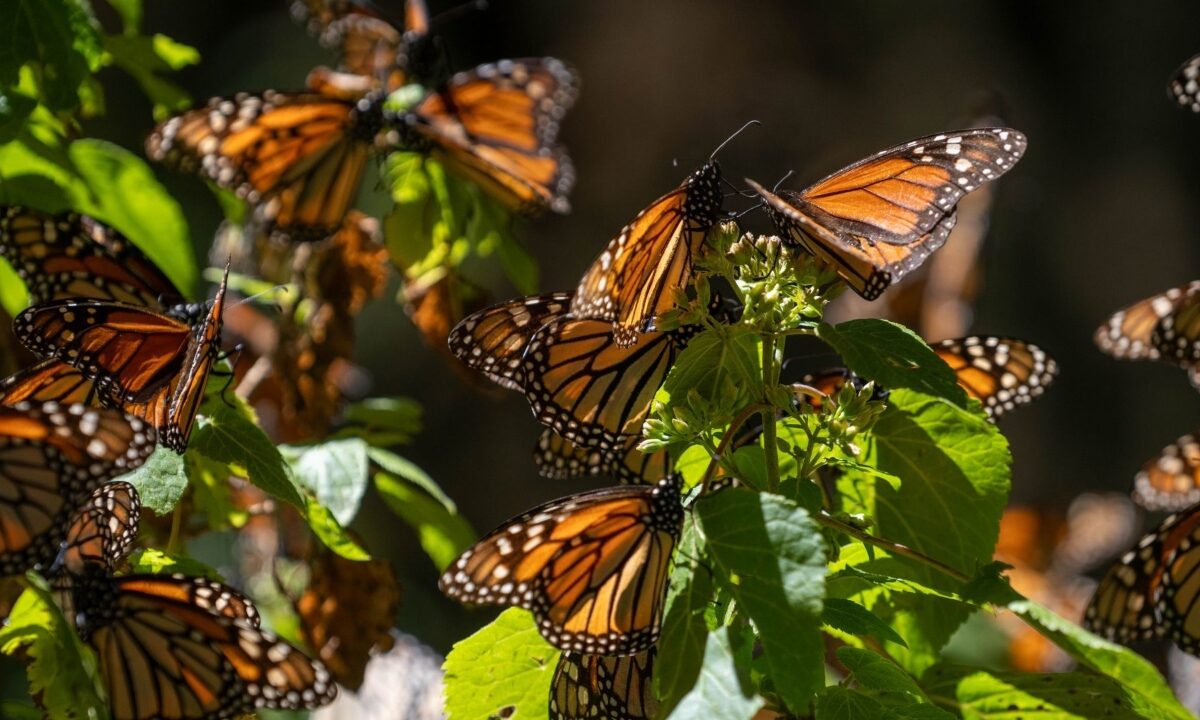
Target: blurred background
1104 209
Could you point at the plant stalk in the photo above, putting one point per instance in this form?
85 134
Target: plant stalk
770 438
893 548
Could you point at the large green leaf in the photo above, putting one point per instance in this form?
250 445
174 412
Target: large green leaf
502 671
146 59
1147 694
954 471
443 534
336 471
893 356
983 695
684 629
160 481
770 555
714 361
854 619
61 670
231 436
722 691
60 37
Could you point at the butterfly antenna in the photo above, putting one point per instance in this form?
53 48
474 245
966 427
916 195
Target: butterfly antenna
738 191
274 289
747 211
782 180
739 131
458 11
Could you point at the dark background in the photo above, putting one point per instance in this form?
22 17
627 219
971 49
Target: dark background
1102 211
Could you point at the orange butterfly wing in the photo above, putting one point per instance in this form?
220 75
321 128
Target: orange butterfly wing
297 157
558 458
103 531
634 279
591 567
901 194
596 686
493 340
1170 481
72 256
497 126
1002 373
1130 332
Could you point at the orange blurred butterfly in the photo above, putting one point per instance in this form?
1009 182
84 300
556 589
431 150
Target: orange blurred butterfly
102 531
591 567
1162 327
1151 591
633 280
150 364
1170 481
298 158
878 219
52 458
369 46
1001 373
595 686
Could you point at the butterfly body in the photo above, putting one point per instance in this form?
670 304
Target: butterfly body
590 567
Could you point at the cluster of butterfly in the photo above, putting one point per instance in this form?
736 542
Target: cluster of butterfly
297 158
122 371
592 567
1152 592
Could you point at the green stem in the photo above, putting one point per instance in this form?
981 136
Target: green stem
893 548
176 527
726 439
770 439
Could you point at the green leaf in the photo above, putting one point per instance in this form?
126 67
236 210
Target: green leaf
336 471
684 630
326 527
1147 693
893 356
146 58
13 295
131 14
408 470
382 421
211 493
954 470
839 703
160 481
443 534
158 562
14 710
714 360
15 109
984 695
520 266
854 619
873 672
229 435
502 671
770 555
60 37
123 192
61 670
722 691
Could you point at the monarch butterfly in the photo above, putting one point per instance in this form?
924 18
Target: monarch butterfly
151 365
183 647
558 458
1002 373
368 45
587 387
594 686
1161 327
878 219
591 567
1147 594
103 530
1170 481
493 340
73 256
52 457
1185 84
634 278
298 157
